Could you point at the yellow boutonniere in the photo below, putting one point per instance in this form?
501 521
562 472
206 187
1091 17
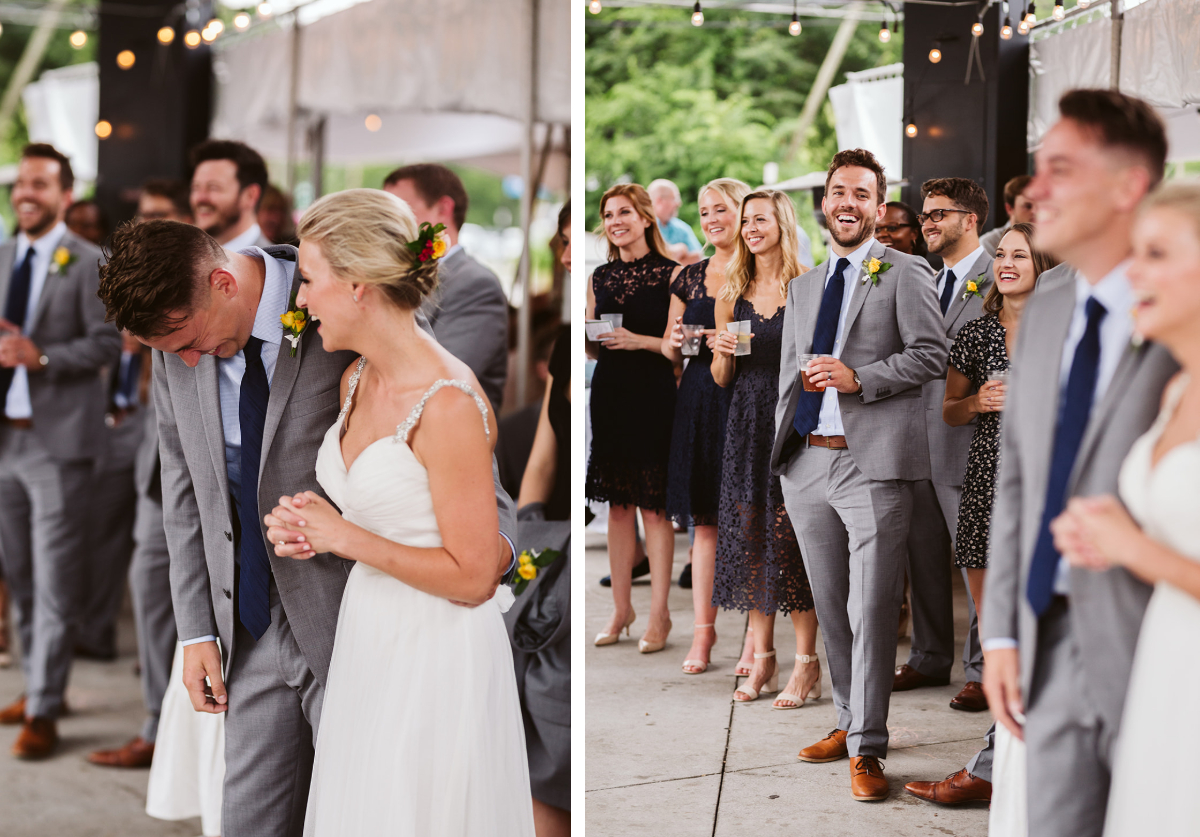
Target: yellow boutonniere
528 564
61 260
294 321
872 268
972 289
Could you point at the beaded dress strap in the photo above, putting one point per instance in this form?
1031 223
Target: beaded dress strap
362 361
404 429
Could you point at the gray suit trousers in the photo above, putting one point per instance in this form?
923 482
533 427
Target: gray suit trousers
270 732
42 505
113 504
1069 745
851 531
154 616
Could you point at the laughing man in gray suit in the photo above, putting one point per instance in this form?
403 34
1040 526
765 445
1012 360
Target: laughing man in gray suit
848 454
1059 641
953 210
51 429
225 381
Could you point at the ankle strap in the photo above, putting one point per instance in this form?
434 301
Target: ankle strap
807 658
762 656
709 625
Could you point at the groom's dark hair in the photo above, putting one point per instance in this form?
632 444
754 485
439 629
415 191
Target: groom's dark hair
153 275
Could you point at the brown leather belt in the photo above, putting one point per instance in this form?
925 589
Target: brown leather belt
20 424
831 442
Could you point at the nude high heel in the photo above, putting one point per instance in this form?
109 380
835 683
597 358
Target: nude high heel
611 639
770 687
814 692
647 647
701 665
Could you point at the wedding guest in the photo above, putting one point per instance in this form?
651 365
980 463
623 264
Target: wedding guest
275 216
975 397
1153 535
1059 642
681 241
468 311
164 200
848 453
701 407
87 220
1018 207
759 565
51 433
900 230
953 209
228 179
632 406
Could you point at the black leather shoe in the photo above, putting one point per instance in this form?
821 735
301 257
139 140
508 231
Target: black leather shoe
639 569
685 577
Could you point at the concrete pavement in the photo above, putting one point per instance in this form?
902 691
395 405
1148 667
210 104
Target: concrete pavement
673 755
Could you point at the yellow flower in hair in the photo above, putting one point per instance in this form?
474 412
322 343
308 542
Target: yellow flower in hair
439 248
288 319
527 572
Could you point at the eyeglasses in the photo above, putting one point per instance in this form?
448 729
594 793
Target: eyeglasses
937 215
892 229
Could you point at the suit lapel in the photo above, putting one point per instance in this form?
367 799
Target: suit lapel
808 322
52 283
209 395
957 302
8 254
283 381
861 288
1046 353
1104 409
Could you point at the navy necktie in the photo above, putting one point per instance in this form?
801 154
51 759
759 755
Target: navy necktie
948 291
254 605
16 305
128 385
1072 422
808 405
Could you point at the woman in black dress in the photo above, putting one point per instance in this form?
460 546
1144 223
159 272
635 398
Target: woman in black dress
632 406
759 567
701 408
983 346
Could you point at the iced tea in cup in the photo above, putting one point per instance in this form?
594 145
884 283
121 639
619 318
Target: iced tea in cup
809 385
742 329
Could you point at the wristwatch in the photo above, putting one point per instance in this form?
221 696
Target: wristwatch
859 383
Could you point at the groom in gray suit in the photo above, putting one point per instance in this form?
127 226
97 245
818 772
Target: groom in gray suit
1059 642
848 453
240 419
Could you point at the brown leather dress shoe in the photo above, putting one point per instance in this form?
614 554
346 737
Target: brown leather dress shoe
954 789
867 782
37 740
137 753
971 698
908 677
830 748
14 713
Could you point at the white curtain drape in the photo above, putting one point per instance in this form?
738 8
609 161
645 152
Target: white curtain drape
869 110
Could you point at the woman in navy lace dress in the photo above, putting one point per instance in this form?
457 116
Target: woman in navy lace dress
632 406
701 408
759 566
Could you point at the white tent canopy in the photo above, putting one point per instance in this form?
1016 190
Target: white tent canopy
61 108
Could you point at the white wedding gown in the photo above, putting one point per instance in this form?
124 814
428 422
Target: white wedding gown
1155 773
420 734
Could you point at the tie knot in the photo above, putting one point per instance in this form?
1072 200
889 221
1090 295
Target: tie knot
1095 310
841 266
252 348
950 277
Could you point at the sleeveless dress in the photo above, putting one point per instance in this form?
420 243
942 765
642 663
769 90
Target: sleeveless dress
701 412
1155 773
633 393
420 733
759 566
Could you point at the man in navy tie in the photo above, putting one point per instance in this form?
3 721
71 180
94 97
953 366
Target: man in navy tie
848 448
1058 643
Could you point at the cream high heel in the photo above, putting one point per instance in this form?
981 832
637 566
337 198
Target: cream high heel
770 687
611 639
699 664
646 647
813 693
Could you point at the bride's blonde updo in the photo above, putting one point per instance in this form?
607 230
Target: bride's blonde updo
364 235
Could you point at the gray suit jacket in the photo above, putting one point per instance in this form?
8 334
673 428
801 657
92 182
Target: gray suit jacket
1107 608
197 511
68 325
948 446
895 340
469 315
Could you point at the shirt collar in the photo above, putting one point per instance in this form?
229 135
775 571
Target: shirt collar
247 239
1113 291
274 300
452 251
963 266
45 245
856 258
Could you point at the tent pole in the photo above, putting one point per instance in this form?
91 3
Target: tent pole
293 104
1118 25
524 313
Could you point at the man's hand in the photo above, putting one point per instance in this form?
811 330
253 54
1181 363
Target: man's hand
506 557
1002 685
825 372
19 350
201 660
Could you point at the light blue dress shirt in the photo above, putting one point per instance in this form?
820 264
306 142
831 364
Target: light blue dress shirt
963 270
17 404
829 423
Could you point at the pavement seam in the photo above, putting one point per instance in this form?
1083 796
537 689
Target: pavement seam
724 758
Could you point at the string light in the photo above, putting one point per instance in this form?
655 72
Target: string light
794 27
885 34
1006 29
1059 11
264 10
126 59
1030 16
977 28
594 7
1083 4
216 25
104 129
191 39
241 21
78 39
373 122
935 55
697 15
910 130
209 35
166 35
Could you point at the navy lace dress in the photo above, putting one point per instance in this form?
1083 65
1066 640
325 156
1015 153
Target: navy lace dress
633 392
759 566
701 411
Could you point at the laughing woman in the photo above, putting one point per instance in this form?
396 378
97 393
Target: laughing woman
632 405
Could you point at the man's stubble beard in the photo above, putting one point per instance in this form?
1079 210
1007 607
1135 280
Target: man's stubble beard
225 221
867 231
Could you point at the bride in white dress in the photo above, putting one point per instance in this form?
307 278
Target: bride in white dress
420 733
1155 774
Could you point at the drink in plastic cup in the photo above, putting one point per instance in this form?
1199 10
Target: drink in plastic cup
742 329
615 319
693 333
809 386
1000 375
595 328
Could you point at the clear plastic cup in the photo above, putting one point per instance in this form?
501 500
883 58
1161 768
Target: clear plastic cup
742 329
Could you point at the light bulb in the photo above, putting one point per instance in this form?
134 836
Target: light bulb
241 20
78 39
1083 4
373 122
264 10
209 35
1023 29
126 59
594 7
1059 11
216 25
885 34
910 130
1030 16
794 27
976 29
192 39
697 15
1006 31
166 35
104 129
935 55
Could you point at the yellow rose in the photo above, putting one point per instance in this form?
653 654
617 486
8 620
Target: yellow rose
439 248
299 316
62 256
525 558
972 287
527 572
874 266
288 320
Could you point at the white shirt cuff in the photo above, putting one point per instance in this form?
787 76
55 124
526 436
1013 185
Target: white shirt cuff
198 639
513 547
996 643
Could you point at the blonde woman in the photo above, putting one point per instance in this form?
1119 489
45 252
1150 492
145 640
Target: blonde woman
632 406
421 727
759 566
701 408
